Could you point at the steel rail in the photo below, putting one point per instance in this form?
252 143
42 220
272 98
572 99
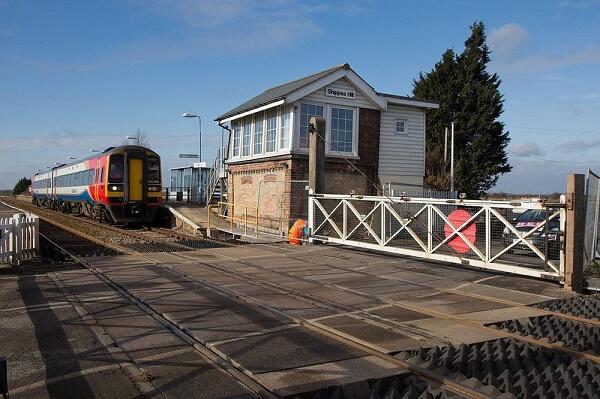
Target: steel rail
449 384
211 356
470 323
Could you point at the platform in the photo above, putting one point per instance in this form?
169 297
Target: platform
195 217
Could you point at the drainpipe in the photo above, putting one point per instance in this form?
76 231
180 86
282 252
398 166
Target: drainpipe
225 153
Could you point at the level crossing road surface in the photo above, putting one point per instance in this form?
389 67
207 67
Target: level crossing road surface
267 308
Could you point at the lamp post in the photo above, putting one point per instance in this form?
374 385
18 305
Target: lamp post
70 157
132 138
189 115
94 150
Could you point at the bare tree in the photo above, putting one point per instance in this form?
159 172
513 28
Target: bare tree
139 138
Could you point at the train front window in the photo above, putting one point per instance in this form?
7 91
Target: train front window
116 169
153 170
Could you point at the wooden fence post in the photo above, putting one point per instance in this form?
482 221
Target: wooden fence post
575 231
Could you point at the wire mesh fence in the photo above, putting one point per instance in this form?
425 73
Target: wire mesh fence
520 237
592 218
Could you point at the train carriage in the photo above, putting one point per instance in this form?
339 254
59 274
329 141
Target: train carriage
120 185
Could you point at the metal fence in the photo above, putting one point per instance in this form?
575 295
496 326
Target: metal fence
183 194
19 238
400 190
524 237
591 218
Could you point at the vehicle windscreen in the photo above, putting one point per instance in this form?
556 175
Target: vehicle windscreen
116 169
532 215
153 170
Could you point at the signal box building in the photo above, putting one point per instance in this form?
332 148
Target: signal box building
383 135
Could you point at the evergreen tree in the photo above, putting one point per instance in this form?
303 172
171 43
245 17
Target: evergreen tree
470 97
21 186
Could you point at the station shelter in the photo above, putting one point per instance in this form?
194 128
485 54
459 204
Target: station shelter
188 183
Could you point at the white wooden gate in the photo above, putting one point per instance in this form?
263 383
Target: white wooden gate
19 238
522 237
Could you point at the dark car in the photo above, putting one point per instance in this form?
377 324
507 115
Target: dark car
546 238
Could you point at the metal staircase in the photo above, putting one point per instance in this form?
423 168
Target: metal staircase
216 184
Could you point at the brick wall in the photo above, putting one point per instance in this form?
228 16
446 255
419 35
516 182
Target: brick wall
282 193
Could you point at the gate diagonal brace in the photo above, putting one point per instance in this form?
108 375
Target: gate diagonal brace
523 238
457 231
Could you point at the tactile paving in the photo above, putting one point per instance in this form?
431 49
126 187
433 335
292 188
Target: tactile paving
583 306
509 366
580 336
402 387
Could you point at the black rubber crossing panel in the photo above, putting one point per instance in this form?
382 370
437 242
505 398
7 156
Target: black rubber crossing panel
403 386
580 336
507 366
587 306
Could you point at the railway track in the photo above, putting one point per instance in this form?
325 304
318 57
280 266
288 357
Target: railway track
76 229
421 364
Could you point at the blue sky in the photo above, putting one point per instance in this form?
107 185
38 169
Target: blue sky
76 75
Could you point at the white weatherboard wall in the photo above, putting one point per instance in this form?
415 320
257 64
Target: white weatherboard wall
402 156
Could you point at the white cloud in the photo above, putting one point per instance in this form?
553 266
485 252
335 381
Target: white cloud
577 146
526 150
219 26
506 40
542 62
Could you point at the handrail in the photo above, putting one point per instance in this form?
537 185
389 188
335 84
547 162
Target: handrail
243 222
214 175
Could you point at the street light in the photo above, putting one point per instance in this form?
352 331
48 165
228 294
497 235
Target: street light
133 138
70 157
94 150
189 115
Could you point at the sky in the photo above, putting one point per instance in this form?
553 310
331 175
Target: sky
78 75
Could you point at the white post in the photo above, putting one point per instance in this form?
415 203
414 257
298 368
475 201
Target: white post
18 239
311 216
445 146
452 158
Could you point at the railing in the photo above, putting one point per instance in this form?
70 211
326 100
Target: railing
19 238
486 234
215 175
181 194
404 190
245 223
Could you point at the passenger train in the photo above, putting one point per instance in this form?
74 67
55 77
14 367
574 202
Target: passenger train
120 185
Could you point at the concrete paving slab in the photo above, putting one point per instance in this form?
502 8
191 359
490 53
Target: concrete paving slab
523 298
385 338
509 313
399 314
311 378
287 349
454 331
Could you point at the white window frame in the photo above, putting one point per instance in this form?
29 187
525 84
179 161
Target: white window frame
233 148
278 150
327 110
263 140
277 115
281 113
297 124
354 152
405 131
250 149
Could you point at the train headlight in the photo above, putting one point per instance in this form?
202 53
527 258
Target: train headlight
115 188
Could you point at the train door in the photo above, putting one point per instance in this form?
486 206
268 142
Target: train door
96 182
136 171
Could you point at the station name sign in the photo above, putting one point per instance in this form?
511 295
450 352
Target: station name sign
343 93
